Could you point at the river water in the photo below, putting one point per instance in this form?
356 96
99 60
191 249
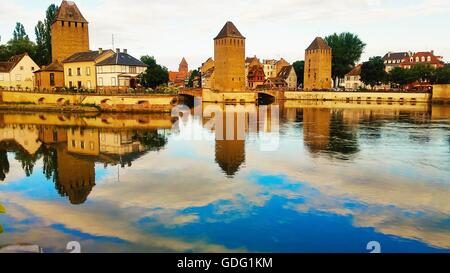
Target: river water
300 177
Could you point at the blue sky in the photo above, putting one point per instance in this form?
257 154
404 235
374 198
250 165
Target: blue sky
170 30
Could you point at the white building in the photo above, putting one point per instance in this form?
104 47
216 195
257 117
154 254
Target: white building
119 72
17 72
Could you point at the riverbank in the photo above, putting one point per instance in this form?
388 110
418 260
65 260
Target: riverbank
75 102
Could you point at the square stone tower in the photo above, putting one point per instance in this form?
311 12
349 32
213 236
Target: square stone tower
229 55
318 58
70 32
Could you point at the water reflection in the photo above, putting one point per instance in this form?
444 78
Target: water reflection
69 154
343 175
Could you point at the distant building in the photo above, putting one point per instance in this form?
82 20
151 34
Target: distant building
318 58
287 73
49 78
353 79
83 141
178 78
274 83
119 72
208 78
80 69
70 32
208 64
250 62
426 58
394 59
17 72
229 56
270 69
279 65
256 75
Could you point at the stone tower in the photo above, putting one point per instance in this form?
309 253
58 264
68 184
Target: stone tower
229 55
70 32
318 58
183 67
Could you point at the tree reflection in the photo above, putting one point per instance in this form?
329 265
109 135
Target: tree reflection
153 140
4 164
343 139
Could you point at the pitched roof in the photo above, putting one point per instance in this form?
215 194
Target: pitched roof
6 67
53 67
355 71
318 43
433 58
285 72
121 59
229 30
68 11
88 56
396 56
183 62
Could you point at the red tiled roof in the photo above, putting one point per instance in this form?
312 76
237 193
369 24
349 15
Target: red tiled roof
429 58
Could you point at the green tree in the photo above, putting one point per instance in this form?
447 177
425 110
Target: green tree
194 74
4 53
19 32
442 75
422 73
299 67
400 77
373 73
20 43
347 51
43 35
155 75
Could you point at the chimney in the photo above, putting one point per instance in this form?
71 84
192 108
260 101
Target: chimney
118 50
125 51
100 50
432 52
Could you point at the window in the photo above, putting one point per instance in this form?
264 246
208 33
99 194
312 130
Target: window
62 23
70 71
2 77
88 71
113 69
18 77
78 71
32 68
423 58
73 143
133 69
417 59
82 144
113 81
429 58
52 79
88 83
100 81
91 144
70 84
21 68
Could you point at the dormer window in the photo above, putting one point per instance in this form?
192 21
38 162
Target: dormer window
429 58
423 58
417 59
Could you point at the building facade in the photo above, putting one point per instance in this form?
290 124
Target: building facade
394 59
287 73
318 58
179 78
17 72
49 78
120 72
353 79
80 69
229 56
424 58
70 32
256 76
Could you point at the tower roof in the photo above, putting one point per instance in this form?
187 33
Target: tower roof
318 43
229 30
68 11
183 62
